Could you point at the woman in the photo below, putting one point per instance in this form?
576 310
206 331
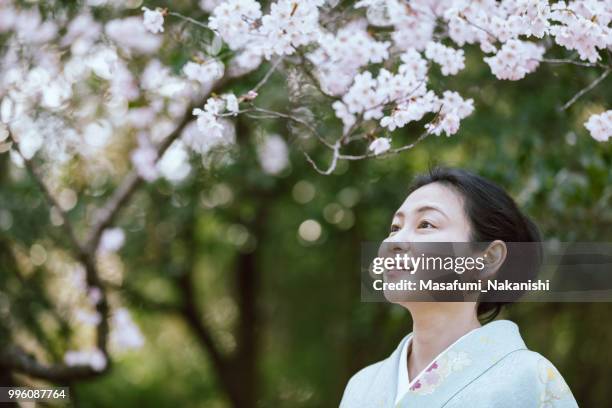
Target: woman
450 359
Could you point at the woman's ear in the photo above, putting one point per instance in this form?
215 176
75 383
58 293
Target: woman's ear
494 257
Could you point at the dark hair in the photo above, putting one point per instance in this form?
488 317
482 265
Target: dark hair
493 215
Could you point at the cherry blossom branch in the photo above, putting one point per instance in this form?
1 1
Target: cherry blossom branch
315 82
66 223
267 76
572 62
464 18
388 152
332 165
20 360
302 122
338 156
189 19
587 89
16 359
107 213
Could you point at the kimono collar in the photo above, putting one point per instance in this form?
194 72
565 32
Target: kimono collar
461 363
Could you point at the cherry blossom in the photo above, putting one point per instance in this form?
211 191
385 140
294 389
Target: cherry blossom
125 334
231 103
340 56
234 21
380 145
212 129
144 158
94 358
452 108
450 60
600 126
174 164
583 27
153 20
205 72
290 25
112 240
131 35
273 154
515 59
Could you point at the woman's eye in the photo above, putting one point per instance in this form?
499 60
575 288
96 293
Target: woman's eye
394 228
426 225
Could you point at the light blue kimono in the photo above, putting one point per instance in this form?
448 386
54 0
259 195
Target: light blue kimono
488 367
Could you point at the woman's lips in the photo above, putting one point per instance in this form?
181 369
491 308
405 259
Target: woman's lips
395 273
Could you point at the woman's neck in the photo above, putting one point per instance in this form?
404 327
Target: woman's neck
435 327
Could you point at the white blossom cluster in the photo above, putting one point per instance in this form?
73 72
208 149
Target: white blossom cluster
112 240
70 86
515 59
600 126
125 334
407 94
208 122
273 154
67 85
205 72
93 358
153 20
583 26
339 56
235 21
452 108
287 26
451 61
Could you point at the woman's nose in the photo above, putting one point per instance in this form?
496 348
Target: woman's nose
401 236
392 246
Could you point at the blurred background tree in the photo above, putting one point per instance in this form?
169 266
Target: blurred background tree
245 284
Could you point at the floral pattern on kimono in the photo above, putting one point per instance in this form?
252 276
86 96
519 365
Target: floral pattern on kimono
436 373
554 387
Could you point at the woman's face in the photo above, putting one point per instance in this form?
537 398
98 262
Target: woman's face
432 213
431 222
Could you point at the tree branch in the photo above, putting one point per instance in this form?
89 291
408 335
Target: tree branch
569 61
84 255
53 203
189 19
268 74
332 165
15 359
388 152
105 216
587 89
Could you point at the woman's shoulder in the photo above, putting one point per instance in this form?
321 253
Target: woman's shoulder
530 371
360 386
366 374
529 362
373 384
380 368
